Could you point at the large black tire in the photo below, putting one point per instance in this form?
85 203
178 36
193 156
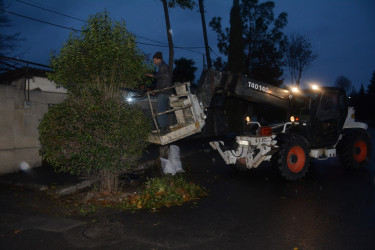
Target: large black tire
354 149
293 157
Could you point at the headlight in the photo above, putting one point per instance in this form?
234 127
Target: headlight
295 90
314 87
245 143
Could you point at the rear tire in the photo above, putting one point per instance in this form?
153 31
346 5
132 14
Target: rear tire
354 149
293 158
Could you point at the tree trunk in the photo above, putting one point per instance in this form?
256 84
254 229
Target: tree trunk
169 35
108 181
201 9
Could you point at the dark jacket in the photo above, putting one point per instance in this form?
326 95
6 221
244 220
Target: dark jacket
163 77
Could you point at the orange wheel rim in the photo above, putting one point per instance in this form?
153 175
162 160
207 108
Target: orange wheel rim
360 151
296 159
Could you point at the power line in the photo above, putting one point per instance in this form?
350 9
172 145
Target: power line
52 11
214 52
137 36
23 61
37 20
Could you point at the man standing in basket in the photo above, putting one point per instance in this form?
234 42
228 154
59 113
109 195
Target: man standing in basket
163 80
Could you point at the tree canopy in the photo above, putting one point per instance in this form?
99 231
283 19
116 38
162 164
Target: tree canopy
262 40
93 132
184 70
102 56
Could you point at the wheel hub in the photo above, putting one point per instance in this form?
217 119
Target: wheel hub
296 159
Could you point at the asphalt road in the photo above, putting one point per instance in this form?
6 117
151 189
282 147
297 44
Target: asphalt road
332 208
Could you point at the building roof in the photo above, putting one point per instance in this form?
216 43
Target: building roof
11 75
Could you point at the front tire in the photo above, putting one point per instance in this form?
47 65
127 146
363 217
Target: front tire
354 149
293 158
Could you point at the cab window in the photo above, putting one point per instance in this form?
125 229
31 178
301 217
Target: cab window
329 102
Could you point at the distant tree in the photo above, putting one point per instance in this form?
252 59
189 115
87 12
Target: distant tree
371 98
371 86
93 132
298 56
8 42
184 4
344 83
235 48
184 70
353 97
361 105
219 64
262 40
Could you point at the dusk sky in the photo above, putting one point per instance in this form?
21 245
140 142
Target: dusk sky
342 32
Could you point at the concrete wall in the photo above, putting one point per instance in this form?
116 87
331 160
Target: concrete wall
19 121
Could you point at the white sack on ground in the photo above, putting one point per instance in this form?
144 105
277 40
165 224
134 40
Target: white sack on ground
174 158
167 167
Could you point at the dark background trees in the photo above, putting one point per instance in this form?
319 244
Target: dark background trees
8 42
344 83
298 56
262 40
364 102
184 70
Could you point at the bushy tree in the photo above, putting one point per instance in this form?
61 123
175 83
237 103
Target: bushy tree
94 137
184 70
92 132
102 56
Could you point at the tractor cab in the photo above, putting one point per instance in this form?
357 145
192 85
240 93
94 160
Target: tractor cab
321 113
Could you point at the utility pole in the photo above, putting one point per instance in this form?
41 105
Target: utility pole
169 35
201 9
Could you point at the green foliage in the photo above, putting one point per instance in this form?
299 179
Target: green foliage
165 192
184 70
88 133
102 56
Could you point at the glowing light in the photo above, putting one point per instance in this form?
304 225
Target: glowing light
292 118
295 90
247 119
314 87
